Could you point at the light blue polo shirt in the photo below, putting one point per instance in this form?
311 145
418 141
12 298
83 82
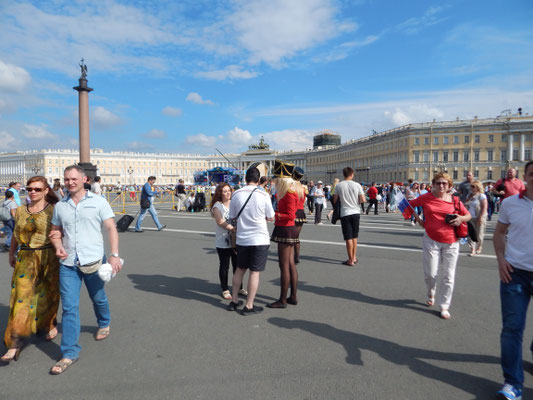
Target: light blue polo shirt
82 227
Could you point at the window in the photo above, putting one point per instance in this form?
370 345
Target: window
467 139
416 175
515 154
503 173
456 140
416 157
426 156
426 140
476 138
503 155
490 155
454 175
417 141
489 175
527 155
435 156
426 175
445 156
476 174
504 138
445 140
435 140
491 139
528 137
466 156
476 155
456 156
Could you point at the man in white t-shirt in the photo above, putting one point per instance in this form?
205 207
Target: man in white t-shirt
96 188
351 196
253 239
515 265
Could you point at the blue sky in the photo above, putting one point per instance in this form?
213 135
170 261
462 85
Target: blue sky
192 76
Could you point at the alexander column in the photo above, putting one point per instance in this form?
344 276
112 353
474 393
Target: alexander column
83 115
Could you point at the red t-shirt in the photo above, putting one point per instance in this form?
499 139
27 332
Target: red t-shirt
286 211
372 192
511 187
435 211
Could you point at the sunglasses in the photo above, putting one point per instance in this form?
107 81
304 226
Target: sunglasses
34 189
441 183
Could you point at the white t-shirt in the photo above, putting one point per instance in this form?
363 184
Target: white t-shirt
222 234
252 227
518 214
96 189
349 192
474 204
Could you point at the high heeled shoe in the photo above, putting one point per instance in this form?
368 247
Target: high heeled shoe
6 360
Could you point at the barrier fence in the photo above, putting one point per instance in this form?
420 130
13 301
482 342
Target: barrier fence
119 200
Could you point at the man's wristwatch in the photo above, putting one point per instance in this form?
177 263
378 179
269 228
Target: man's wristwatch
114 255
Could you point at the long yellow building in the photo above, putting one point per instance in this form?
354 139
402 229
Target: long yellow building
485 146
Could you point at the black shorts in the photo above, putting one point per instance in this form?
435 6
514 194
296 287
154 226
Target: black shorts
350 226
252 257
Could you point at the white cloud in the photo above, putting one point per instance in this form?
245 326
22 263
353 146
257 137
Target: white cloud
36 132
239 136
13 78
195 98
289 139
416 24
231 72
104 119
140 146
7 141
201 140
413 113
155 134
171 111
272 31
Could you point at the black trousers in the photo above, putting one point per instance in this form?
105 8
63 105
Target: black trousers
310 203
318 212
373 202
224 255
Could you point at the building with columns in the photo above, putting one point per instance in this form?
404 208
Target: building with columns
485 146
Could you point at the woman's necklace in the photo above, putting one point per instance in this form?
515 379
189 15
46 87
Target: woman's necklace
37 212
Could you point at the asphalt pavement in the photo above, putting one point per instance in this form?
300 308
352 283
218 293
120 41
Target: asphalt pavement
359 332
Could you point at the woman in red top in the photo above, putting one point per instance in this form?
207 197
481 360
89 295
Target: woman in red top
286 235
441 245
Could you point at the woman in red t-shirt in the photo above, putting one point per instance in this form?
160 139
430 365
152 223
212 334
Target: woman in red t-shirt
286 235
441 245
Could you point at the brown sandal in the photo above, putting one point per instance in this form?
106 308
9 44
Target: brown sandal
62 366
101 334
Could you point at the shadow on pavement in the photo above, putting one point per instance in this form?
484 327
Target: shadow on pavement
363 298
186 288
420 361
396 233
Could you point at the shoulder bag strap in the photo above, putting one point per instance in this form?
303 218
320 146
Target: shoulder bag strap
244 205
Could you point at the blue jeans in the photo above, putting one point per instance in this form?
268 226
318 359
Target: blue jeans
515 299
9 227
153 213
69 285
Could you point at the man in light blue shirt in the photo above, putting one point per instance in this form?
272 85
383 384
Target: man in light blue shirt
15 188
77 236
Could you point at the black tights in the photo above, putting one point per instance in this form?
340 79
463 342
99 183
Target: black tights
297 246
288 272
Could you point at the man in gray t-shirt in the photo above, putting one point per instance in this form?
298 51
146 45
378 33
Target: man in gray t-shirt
351 196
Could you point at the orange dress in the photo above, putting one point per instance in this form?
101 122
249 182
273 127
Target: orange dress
35 284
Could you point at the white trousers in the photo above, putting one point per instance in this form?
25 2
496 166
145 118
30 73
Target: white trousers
443 255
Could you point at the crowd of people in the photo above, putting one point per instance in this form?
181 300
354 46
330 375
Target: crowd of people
55 243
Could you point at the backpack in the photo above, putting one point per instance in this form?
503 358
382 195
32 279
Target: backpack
5 214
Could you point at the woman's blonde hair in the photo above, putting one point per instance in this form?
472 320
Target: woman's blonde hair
283 185
478 185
